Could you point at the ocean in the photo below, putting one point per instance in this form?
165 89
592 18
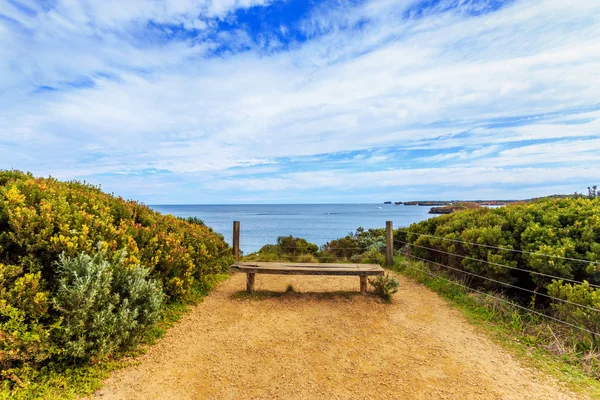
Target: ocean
261 224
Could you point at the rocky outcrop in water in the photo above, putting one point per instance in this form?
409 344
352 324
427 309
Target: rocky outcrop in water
449 209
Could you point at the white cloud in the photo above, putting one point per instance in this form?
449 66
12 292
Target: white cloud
432 82
462 155
465 177
576 152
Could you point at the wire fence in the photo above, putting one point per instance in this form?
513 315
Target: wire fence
499 248
406 251
535 293
332 254
513 304
494 263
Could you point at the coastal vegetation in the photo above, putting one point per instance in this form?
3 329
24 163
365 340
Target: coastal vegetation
542 255
384 286
85 277
451 208
287 248
362 246
448 207
534 266
429 203
526 245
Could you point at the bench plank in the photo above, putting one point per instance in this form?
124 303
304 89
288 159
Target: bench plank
288 268
285 268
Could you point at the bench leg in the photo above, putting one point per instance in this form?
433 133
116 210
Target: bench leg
250 282
363 284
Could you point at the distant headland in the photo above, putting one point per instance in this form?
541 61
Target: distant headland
450 206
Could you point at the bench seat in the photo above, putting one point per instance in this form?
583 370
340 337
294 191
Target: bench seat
289 268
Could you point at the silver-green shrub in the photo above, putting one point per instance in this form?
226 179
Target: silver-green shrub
104 304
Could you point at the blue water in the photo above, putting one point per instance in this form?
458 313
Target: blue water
318 223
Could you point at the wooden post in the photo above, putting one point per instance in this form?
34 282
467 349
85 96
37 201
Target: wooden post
250 282
236 241
363 284
389 243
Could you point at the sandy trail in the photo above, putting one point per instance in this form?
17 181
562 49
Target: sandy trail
326 342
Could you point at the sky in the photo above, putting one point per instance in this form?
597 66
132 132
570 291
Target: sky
289 101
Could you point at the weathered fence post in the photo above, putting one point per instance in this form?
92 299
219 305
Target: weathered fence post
389 243
236 256
236 240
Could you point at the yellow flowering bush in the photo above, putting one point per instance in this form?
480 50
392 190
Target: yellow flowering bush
42 221
24 338
41 218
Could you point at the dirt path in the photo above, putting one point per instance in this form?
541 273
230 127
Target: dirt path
326 342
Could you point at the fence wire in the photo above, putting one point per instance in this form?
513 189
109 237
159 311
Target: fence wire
329 258
495 264
500 248
506 301
502 283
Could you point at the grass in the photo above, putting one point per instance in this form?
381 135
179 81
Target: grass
290 289
532 338
57 381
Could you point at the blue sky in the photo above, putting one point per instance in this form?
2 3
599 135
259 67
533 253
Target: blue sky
289 101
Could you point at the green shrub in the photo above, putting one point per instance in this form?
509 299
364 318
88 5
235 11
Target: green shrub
355 244
63 298
141 299
40 218
306 258
24 339
385 286
287 248
370 257
292 246
562 227
342 248
105 305
193 220
562 230
582 294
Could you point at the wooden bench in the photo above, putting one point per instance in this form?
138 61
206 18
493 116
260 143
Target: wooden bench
285 268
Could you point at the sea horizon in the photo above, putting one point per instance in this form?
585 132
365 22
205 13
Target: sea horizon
262 224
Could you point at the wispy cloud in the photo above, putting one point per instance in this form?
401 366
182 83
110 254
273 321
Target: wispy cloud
462 155
498 94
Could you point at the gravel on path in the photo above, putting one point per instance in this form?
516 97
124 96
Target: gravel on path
326 341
